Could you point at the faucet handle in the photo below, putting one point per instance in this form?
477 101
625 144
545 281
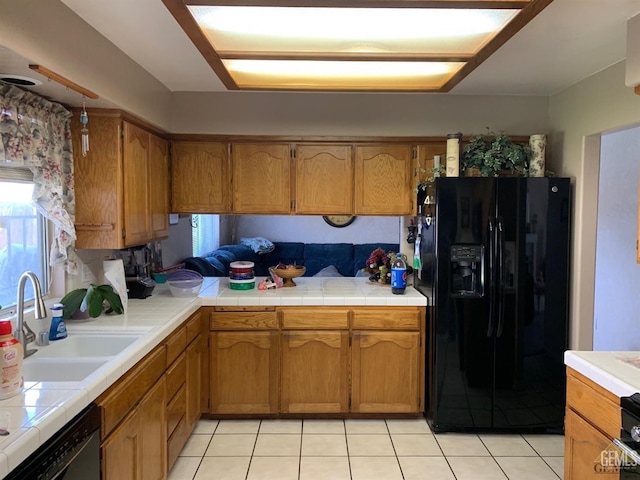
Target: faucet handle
29 335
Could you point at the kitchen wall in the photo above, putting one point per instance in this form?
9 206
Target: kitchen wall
577 117
617 303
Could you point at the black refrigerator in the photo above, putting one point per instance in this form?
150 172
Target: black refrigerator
495 261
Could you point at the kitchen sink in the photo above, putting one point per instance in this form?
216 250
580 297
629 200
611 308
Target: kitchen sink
49 369
87 345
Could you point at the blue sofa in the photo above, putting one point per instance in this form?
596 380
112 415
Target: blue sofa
348 258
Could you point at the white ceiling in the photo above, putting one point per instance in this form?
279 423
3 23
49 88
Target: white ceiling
569 41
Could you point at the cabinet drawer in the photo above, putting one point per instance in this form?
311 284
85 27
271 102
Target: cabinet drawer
116 402
243 321
394 318
193 327
176 375
593 403
176 410
176 442
176 343
318 318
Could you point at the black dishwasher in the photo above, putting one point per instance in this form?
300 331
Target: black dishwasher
73 453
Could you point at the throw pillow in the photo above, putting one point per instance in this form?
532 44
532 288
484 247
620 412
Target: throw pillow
330 271
259 245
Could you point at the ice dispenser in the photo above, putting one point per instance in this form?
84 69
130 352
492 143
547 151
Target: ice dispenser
467 270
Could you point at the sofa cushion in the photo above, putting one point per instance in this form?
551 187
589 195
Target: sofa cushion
288 253
320 255
206 268
242 252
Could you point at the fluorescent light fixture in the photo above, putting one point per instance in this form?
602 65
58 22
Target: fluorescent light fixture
404 45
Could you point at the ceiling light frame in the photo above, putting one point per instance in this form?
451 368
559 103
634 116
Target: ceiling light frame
465 62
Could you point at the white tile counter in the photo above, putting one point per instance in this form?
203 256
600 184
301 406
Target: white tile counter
614 371
43 408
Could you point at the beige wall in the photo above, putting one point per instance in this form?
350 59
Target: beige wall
577 117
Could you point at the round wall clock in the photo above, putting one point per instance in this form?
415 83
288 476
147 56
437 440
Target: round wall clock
339 221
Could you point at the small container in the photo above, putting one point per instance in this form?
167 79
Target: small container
242 284
241 276
11 354
58 329
242 267
184 283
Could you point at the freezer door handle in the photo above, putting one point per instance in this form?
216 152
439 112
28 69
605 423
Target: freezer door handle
492 259
501 282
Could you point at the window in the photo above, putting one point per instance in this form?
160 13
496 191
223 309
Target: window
23 236
206 233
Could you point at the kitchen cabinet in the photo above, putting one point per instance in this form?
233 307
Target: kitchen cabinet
384 182
592 421
244 360
315 360
261 178
118 199
200 177
387 371
324 179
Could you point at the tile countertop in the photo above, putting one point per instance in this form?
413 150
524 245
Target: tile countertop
614 371
43 408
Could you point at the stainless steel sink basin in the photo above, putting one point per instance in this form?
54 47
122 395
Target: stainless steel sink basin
87 345
49 369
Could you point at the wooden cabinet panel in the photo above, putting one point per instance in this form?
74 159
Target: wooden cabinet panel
397 318
159 186
261 178
153 427
324 179
315 372
137 220
176 409
385 372
243 320
200 177
583 445
314 318
121 454
244 372
383 181
176 343
195 354
594 403
176 375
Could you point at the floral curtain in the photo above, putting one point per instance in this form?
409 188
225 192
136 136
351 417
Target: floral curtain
36 133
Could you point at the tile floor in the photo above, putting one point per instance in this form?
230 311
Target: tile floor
361 450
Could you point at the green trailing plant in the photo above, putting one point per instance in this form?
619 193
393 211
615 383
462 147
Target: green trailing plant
490 153
92 300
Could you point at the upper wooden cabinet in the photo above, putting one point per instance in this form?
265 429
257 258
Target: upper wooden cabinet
324 179
200 177
119 186
261 177
383 180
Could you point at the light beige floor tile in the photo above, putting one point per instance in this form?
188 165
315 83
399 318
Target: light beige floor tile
410 425
365 426
556 464
196 446
526 468
333 427
281 426
223 468
231 445
422 468
322 468
205 426
415 445
315 445
274 468
372 468
184 468
370 445
547 445
238 426
508 446
277 445
461 444
476 468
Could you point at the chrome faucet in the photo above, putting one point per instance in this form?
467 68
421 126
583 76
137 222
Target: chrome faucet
23 333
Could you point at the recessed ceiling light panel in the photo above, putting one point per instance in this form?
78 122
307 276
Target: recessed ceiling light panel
19 80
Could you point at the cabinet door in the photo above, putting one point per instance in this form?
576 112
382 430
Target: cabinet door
315 372
383 180
200 178
583 446
424 163
324 179
261 178
159 186
244 372
385 372
137 217
122 454
195 358
153 432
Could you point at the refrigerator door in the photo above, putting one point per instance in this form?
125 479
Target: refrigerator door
462 340
531 335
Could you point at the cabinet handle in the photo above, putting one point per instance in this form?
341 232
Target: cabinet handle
94 227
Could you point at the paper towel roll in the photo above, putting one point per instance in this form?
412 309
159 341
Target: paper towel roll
114 276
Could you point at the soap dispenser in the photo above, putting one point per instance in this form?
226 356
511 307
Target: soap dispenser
58 329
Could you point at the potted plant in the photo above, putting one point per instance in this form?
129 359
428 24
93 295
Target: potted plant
492 154
91 301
